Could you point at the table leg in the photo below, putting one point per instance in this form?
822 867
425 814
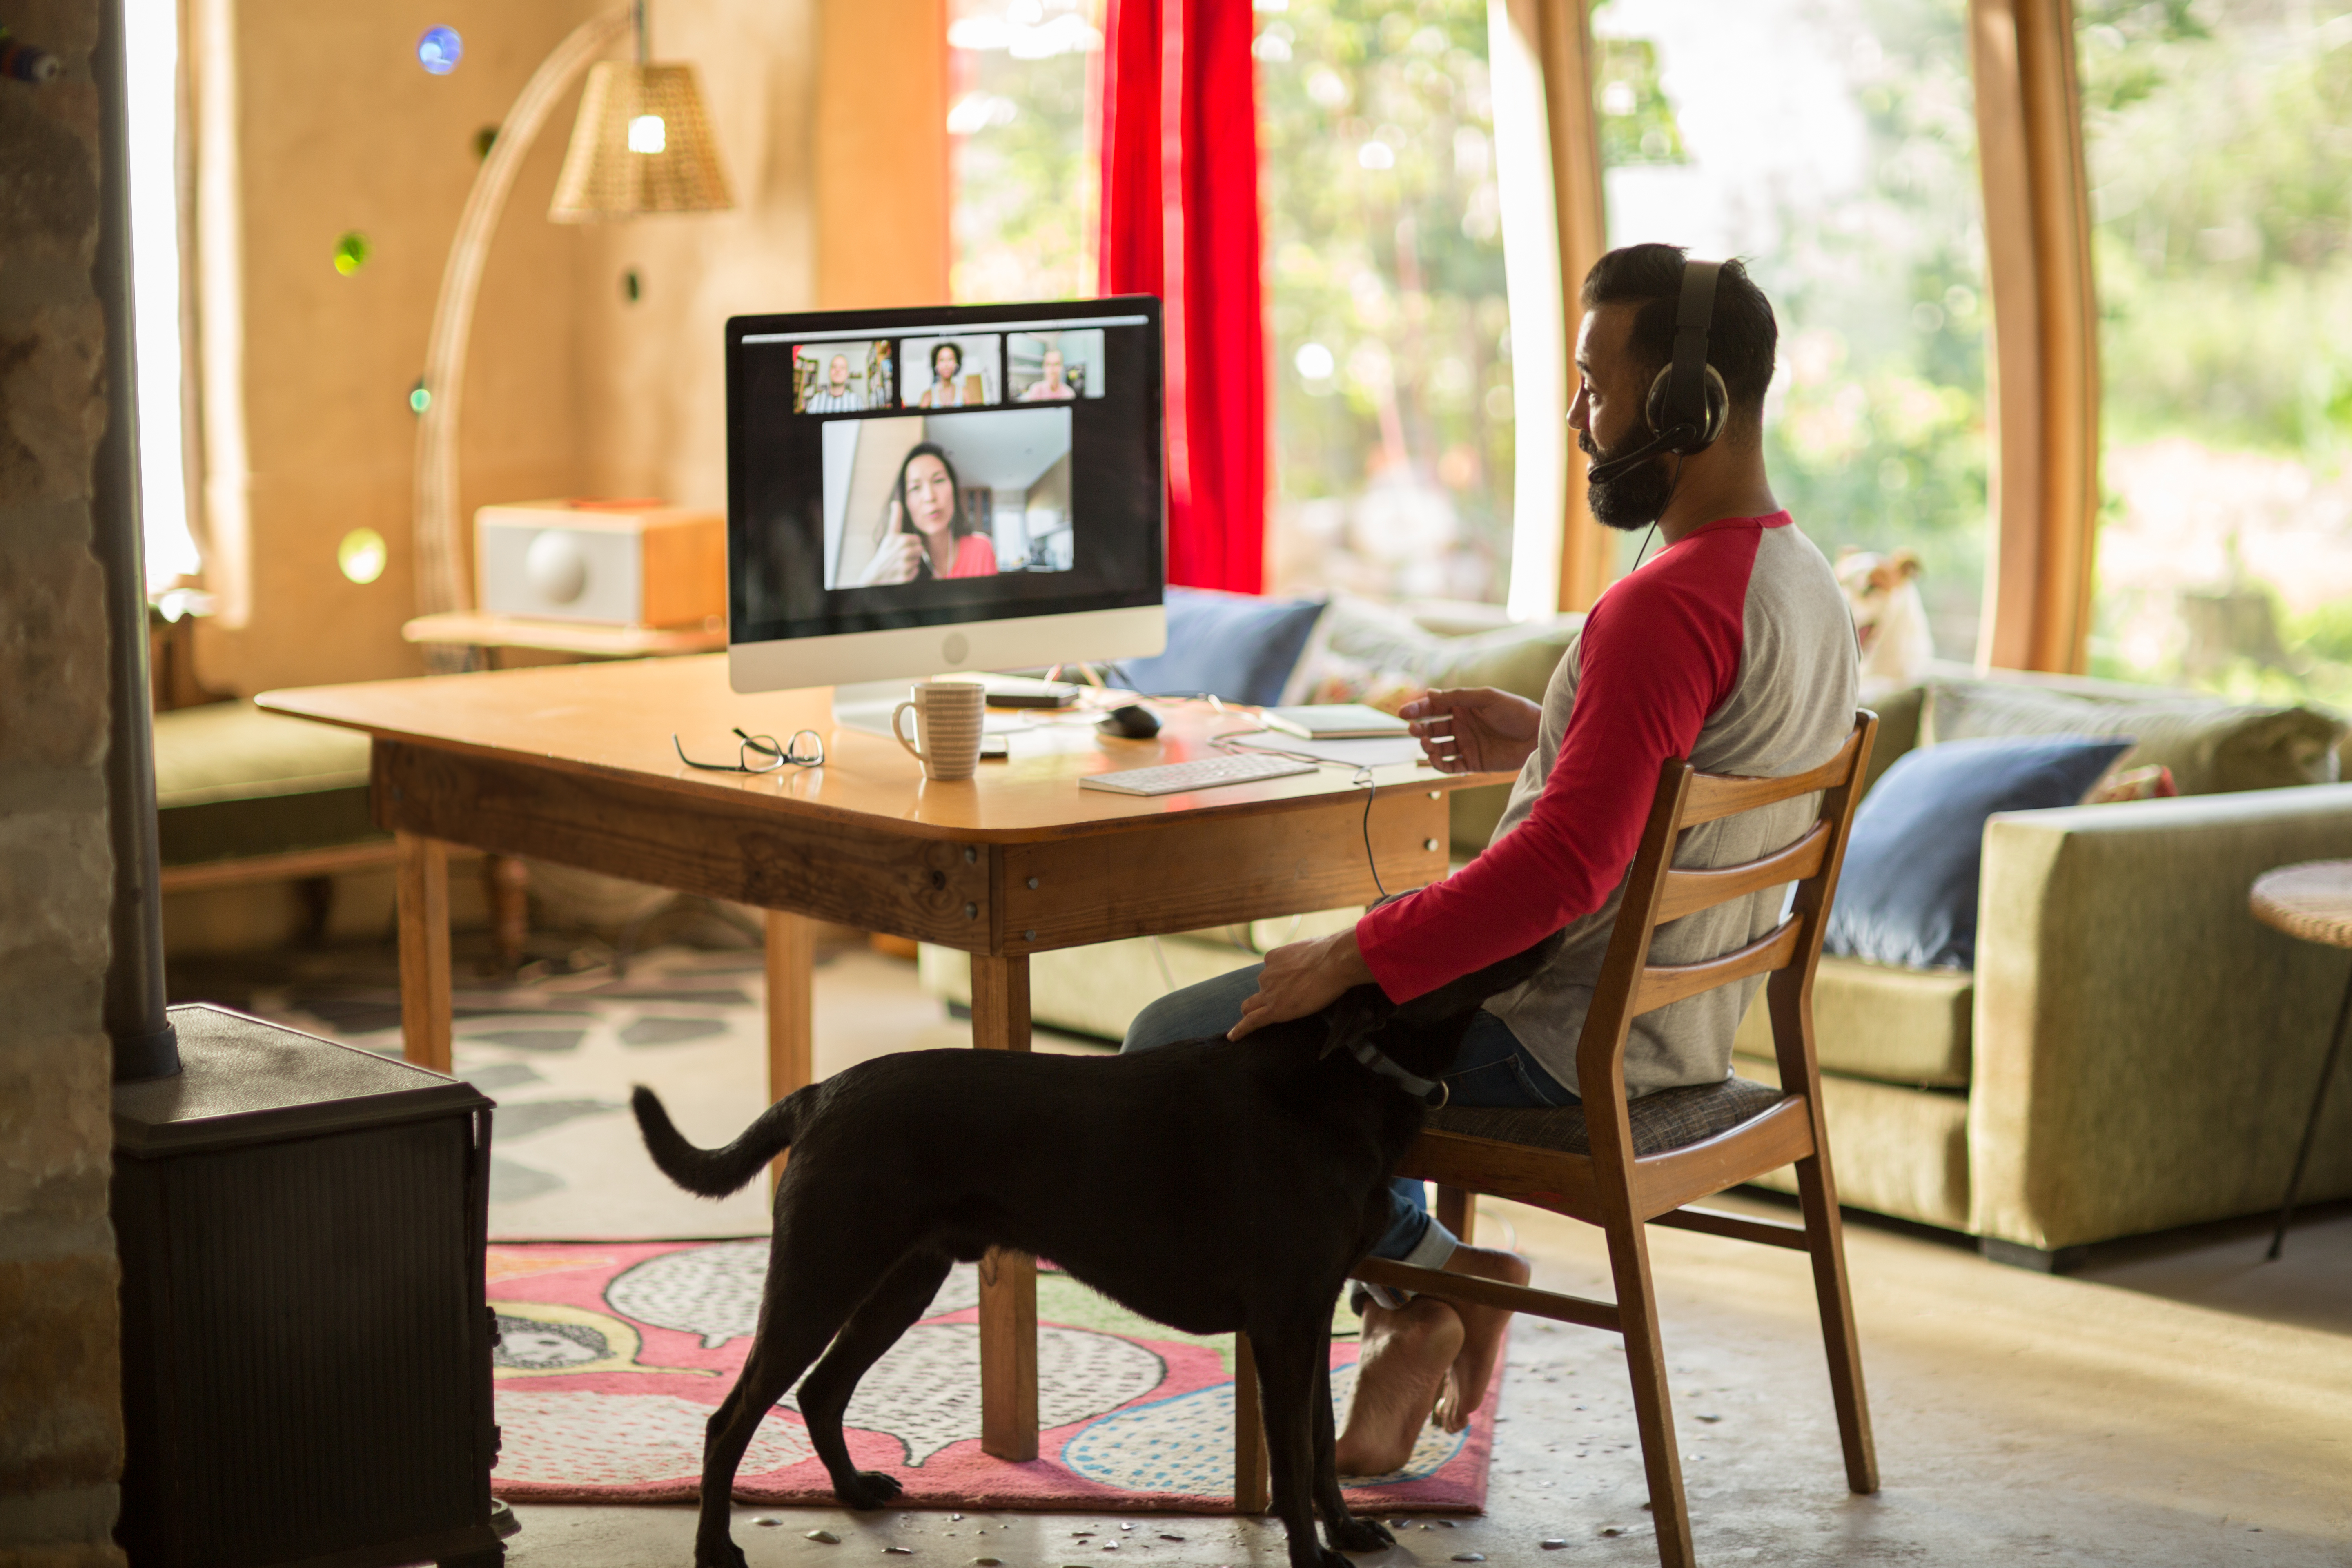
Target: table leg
424 893
1252 1481
2311 1125
791 1028
1008 1281
505 882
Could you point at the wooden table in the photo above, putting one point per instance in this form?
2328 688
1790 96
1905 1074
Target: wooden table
573 764
2313 902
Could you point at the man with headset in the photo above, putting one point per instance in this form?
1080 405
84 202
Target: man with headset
1732 647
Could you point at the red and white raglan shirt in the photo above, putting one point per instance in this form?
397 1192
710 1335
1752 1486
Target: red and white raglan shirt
1732 648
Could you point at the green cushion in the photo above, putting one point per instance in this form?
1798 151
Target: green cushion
1875 1021
1898 730
233 781
2212 747
1900 1152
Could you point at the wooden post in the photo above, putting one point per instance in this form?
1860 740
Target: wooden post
1563 40
1008 1281
2042 383
1253 1474
791 1025
424 894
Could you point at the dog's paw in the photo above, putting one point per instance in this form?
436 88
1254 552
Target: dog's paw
720 1554
868 1490
1356 1533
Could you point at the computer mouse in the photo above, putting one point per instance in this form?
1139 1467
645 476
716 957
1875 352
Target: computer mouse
1135 722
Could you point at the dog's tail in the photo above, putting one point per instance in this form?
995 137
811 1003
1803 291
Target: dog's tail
715 1173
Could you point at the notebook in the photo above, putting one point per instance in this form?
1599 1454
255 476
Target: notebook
1334 722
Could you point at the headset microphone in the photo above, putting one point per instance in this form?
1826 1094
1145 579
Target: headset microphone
1618 467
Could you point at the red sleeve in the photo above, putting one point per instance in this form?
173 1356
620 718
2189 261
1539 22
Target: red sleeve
1660 652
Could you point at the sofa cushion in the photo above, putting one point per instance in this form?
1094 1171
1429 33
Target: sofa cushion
1908 894
232 781
1874 1021
1670 1119
1237 646
2212 747
1900 1152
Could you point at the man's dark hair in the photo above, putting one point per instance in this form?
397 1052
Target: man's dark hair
1741 333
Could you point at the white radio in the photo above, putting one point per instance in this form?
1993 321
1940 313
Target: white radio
622 562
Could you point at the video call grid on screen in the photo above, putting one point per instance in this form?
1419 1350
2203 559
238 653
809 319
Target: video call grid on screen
951 465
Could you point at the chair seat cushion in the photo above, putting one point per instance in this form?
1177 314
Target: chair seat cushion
232 781
1670 1119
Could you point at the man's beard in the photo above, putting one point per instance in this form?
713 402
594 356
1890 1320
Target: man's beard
1632 500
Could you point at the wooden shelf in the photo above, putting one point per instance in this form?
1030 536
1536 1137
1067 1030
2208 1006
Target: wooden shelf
479 631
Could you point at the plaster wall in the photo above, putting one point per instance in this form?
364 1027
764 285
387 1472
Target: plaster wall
337 130
572 386
60 1375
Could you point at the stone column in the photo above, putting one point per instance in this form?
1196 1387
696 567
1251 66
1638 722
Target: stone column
60 1381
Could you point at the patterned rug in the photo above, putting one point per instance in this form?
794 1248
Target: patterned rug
614 1354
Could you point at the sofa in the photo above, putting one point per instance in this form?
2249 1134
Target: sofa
2131 1051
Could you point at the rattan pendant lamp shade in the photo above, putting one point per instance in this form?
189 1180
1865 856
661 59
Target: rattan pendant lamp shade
642 144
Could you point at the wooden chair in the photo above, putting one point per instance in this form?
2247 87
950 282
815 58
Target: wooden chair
1638 1164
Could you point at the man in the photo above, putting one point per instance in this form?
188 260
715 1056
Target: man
836 396
1731 647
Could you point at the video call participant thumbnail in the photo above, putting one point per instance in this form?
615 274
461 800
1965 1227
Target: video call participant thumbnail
963 371
841 378
1052 367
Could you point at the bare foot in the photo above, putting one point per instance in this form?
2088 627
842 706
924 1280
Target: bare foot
1482 1333
1406 1354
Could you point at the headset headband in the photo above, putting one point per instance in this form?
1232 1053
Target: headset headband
1686 385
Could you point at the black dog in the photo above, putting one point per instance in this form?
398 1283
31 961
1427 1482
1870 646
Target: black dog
1214 1186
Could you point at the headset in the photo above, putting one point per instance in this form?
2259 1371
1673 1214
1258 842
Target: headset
1688 402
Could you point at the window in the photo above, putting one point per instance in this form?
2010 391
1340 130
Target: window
1025 78
2217 136
1392 453
151 38
1832 144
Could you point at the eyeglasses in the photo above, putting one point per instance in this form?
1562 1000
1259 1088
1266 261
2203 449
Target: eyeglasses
760 754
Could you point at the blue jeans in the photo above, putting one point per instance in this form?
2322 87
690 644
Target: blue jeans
1492 1071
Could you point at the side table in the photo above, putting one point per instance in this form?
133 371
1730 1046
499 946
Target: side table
2312 902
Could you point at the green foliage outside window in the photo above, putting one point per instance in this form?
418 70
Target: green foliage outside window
2218 136
1391 377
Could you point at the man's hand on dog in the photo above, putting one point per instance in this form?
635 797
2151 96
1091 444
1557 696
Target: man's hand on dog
1302 977
1474 730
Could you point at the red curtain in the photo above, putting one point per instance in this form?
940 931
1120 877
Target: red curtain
1180 221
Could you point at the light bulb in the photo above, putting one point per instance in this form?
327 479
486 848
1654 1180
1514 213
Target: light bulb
647 134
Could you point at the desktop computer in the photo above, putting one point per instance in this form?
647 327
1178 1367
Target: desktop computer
917 491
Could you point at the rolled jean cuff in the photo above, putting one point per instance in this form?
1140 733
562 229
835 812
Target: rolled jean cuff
1431 1252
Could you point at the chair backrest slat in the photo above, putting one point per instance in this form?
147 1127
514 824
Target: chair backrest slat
1714 795
1630 984
1687 892
1665 983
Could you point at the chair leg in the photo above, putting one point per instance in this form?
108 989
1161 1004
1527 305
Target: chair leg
1825 1235
1253 1478
1646 1363
1457 1211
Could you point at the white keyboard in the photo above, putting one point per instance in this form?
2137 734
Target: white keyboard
1209 773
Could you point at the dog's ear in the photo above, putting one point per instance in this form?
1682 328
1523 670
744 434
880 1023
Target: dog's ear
1904 563
1462 996
1357 1015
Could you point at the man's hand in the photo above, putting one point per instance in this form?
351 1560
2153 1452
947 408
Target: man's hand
1302 977
1474 730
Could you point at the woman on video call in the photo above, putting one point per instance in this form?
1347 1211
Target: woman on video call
928 534
947 369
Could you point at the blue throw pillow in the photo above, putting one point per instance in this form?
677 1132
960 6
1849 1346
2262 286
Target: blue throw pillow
1239 647
1908 892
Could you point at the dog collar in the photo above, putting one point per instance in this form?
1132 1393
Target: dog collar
1429 1091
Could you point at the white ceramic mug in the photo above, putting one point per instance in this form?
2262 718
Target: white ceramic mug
948 718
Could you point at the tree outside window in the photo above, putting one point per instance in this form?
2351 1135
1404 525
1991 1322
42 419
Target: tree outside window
2218 133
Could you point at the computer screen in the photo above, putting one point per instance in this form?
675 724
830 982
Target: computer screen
949 487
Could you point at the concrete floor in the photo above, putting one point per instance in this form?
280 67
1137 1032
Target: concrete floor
2177 1402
